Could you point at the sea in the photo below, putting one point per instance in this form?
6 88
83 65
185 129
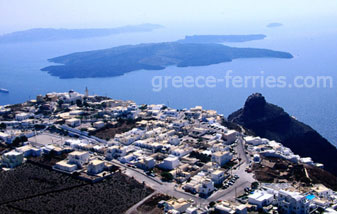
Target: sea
313 45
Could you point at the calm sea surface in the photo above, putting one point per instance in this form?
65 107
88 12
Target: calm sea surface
314 50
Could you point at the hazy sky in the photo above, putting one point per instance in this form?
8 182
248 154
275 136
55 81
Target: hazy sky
24 14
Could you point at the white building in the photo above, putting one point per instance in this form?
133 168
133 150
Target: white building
174 140
5 137
260 198
206 187
292 202
12 159
180 152
230 136
170 163
223 209
307 160
198 132
74 122
115 151
79 158
192 210
146 163
65 166
22 116
96 166
179 205
29 150
241 209
218 176
255 141
98 124
221 158
127 158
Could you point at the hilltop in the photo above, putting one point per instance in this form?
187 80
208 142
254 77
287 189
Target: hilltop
272 122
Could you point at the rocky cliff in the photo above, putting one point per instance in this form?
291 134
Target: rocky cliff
272 122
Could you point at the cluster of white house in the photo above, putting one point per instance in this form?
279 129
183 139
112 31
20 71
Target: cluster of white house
270 200
290 201
283 201
178 206
16 157
269 148
140 146
161 136
164 138
79 159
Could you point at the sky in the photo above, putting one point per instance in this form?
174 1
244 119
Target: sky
24 14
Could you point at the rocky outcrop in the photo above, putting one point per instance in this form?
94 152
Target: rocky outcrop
272 122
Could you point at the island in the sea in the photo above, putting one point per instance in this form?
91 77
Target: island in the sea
154 56
52 34
221 38
274 24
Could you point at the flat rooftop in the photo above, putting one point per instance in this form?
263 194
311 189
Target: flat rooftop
47 138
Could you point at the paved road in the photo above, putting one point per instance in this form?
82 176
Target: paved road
170 189
163 187
245 179
237 188
241 150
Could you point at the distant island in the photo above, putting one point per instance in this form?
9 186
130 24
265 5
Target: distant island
274 24
154 56
221 38
51 34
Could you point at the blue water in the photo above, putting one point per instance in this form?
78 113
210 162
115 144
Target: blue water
314 48
310 197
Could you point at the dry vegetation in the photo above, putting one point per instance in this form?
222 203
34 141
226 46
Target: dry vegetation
274 170
110 131
150 205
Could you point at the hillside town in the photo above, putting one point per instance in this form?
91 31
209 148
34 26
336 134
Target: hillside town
203 163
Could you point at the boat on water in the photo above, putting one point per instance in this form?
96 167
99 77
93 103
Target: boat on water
3 90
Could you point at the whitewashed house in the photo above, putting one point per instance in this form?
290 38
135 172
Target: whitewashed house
22 116
170 163
221 158
65 166
12 159
79 158
73 122
206 187
230 136
292 202
260 198
95 166
218 176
